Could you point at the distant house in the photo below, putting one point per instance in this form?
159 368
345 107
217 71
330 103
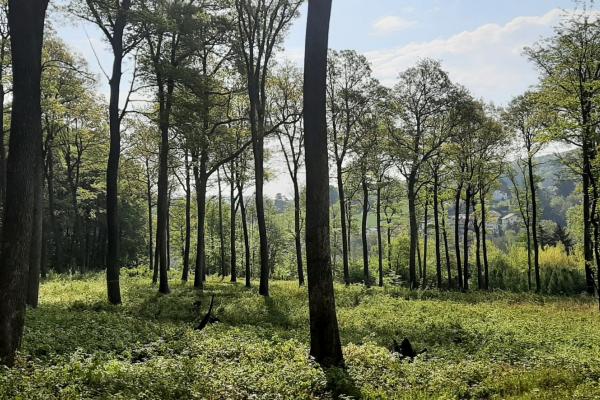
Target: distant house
510 219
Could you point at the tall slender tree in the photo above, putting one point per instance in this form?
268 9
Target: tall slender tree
260 28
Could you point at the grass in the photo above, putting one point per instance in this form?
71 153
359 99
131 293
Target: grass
480 345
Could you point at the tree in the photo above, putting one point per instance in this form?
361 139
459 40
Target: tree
287 99
348 96
422 92
568 62
325 345
523 117
260 28
24 169
112 17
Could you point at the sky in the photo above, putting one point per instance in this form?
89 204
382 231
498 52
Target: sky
479 42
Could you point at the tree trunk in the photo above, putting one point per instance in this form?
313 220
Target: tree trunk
425 242
248 272
476 228
35 256
188 221
112 168
233 254
162 209
486 269
258 130
457 235
436 226
149 201
379 241
446 248
414 233
325 344
588 251
467 273
26 23
345 244
298 232
365 244
200 179
222 273
534 225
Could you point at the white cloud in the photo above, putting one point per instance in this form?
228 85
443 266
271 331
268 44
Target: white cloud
391 24
488 60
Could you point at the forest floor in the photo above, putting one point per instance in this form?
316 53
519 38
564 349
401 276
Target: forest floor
480 345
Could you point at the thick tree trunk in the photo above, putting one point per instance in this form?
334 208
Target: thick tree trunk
459 270
200 178
188 221
26 23
35 255
325 344
379 241
162 209
258 130
345 244
112 168
298 232
414 233
365 244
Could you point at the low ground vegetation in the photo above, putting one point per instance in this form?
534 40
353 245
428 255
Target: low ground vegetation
480 345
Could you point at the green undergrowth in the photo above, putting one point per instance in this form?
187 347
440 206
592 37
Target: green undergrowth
479 345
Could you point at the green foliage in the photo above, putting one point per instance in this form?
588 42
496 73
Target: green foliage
480 345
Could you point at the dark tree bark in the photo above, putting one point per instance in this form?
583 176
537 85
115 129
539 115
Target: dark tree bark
365 244
414 232
446 247
466 271
436 227
534 224
221 233
188 220
149 203
379 241
232 226
298 232
247 257
345 230
26 23
35 255
324 333
200 178
425 242
457 235
486 269
112 169
477 229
